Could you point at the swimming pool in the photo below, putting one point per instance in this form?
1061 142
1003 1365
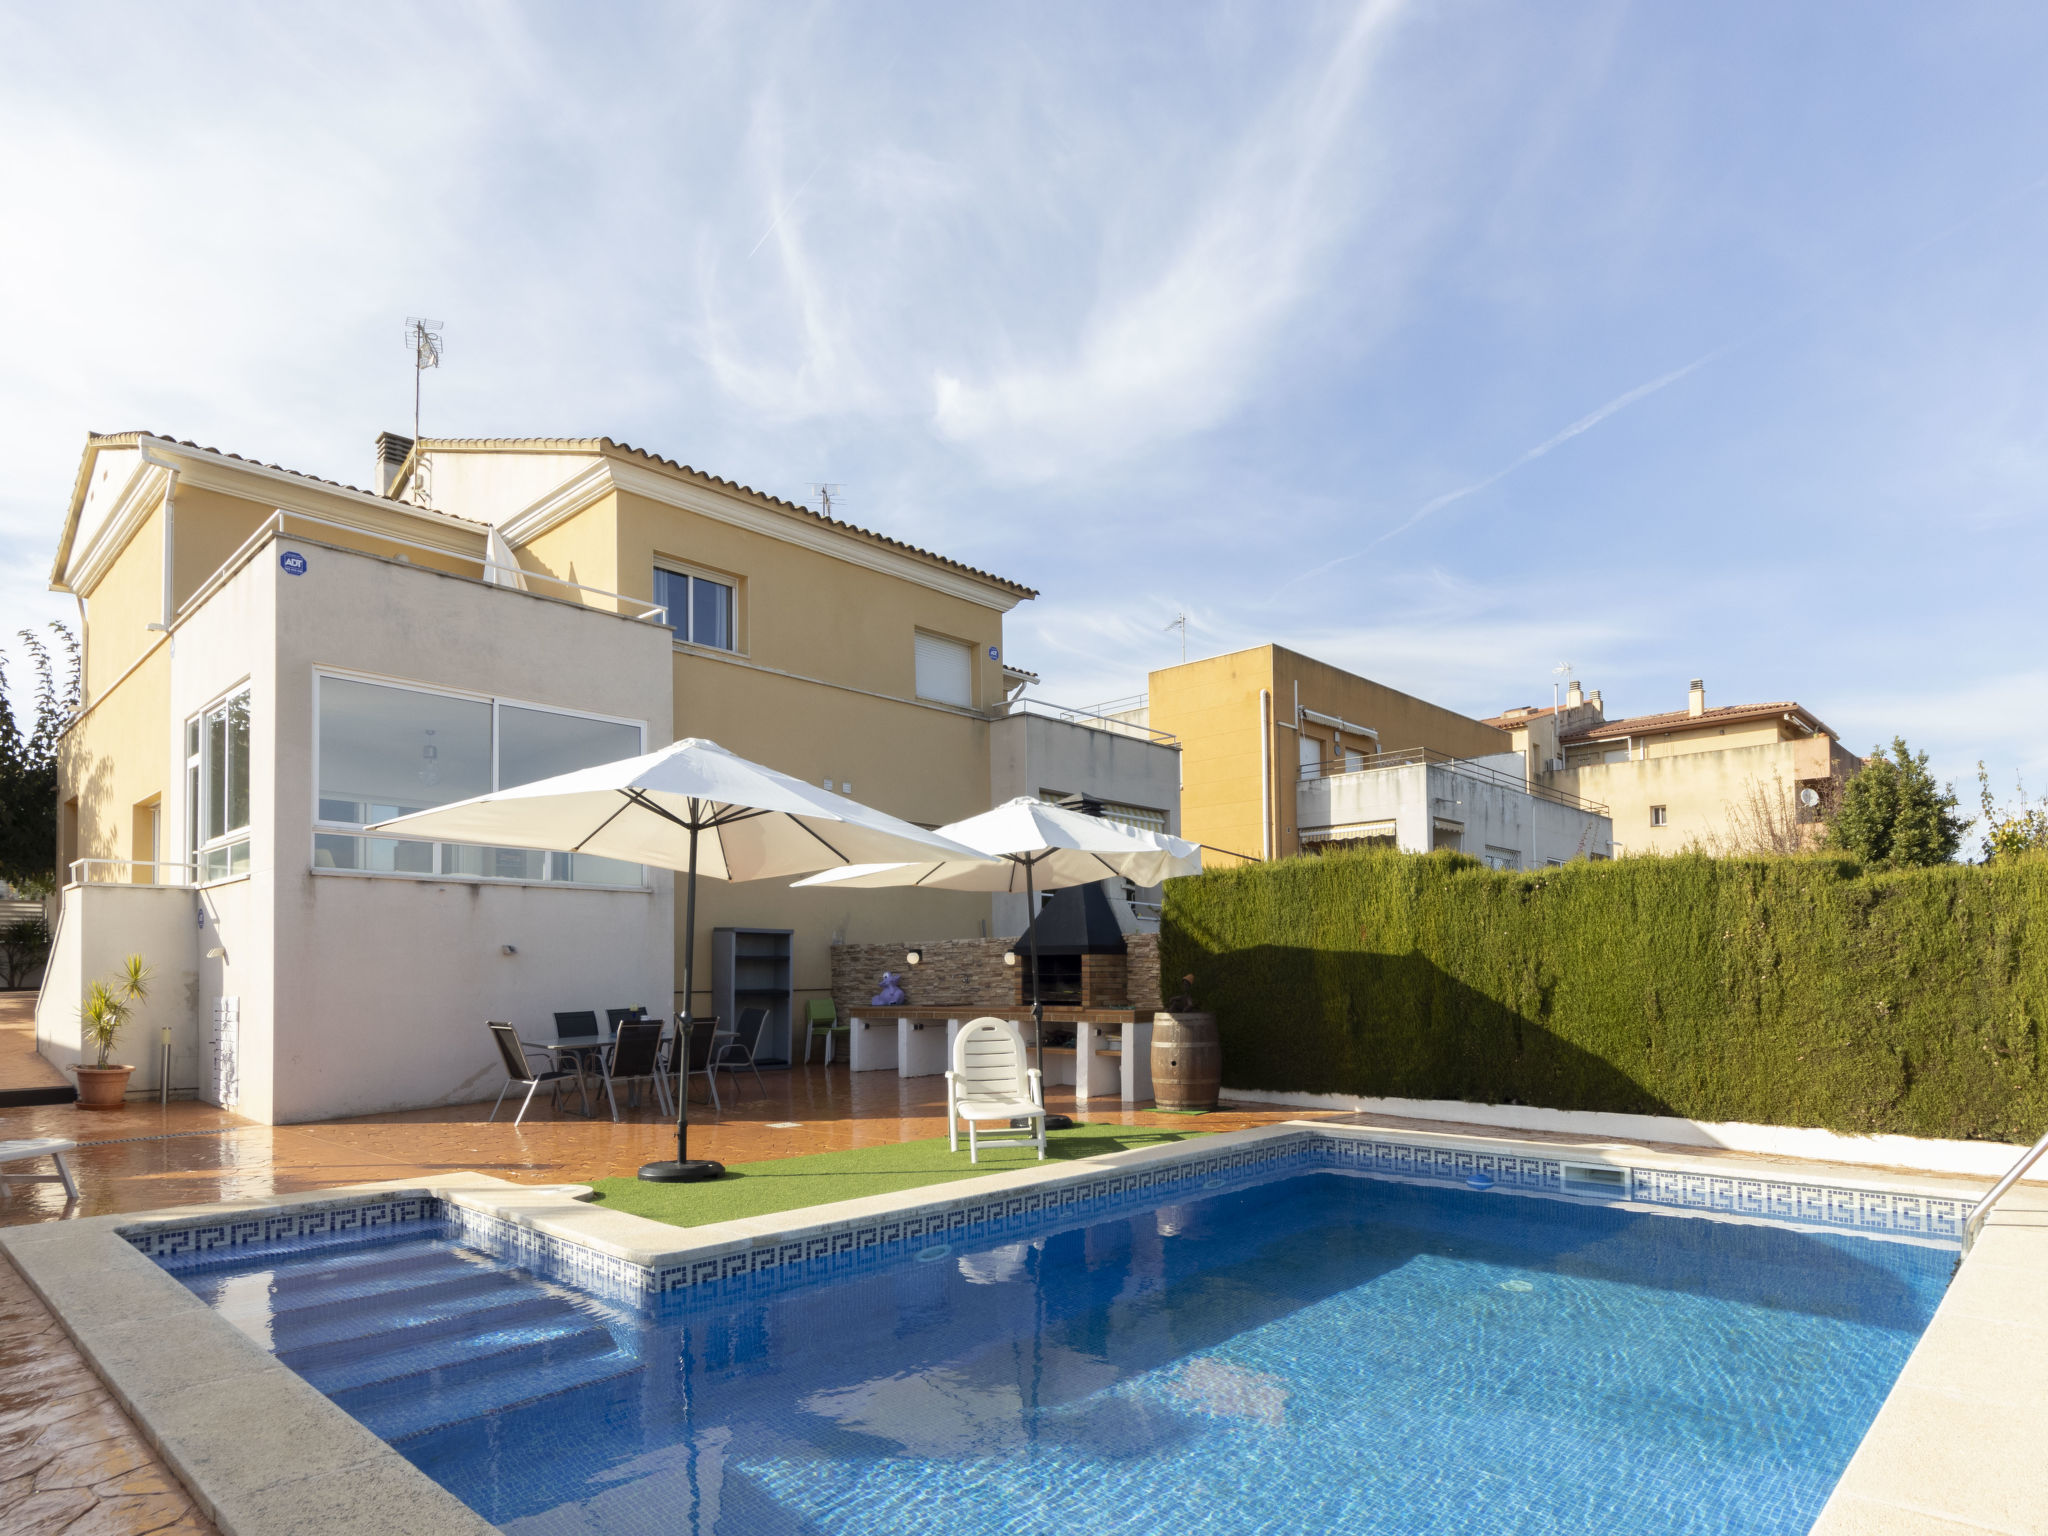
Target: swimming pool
1315 1351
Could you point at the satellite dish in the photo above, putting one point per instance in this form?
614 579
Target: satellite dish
1809 797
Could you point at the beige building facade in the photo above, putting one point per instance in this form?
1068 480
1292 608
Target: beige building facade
1283 754
273 661
1730 778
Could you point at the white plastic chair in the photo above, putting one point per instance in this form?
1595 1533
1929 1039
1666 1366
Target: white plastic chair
989 1081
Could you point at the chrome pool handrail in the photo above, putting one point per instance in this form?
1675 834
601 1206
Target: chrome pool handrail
1981 1211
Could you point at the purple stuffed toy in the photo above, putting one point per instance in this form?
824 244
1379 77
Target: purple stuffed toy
891 992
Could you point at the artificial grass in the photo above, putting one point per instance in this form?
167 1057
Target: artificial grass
789 1183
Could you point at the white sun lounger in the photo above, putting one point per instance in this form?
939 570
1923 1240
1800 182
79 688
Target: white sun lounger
41 1146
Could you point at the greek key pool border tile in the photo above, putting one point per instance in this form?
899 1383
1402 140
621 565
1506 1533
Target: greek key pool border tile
192 1242
1821 1205
857 1246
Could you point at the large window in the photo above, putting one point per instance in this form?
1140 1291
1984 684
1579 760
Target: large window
945 670
700 610
386 751
217 789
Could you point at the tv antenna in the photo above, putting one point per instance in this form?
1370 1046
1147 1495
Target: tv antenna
1180 622
1562 670
828 494
423 340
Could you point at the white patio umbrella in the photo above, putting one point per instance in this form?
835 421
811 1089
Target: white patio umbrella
1040 846
694 807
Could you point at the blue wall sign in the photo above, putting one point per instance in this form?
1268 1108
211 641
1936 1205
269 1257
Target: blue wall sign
293 562
994 654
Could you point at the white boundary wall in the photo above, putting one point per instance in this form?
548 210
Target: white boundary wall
1990 1159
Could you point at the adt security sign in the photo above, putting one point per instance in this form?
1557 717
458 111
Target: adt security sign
293 562
994 654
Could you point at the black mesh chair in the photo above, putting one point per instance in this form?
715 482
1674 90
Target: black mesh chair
737 1049
571 1026
581 1025
519 1068
703 1033
634 1055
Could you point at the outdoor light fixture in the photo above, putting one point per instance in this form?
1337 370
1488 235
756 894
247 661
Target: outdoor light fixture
914 956
216 953
1009 957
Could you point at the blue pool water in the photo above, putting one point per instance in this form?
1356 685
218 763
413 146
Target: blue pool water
1320 1353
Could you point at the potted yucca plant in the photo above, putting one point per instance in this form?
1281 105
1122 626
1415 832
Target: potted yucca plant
102 1017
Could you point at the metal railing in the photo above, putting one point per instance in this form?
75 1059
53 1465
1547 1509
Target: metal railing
1981 1211
1409 757
1093 719
81 872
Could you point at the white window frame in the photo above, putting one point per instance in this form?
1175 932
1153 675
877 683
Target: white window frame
496 703
227 842
681 623
1660 815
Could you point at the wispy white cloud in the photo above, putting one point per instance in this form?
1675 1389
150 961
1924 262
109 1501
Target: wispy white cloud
1584 424
1170 351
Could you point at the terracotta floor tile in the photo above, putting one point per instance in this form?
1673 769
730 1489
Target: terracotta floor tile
20 1066
34 1412
101 1421
153 1478
76 1463
89 1466
131 1515
43 1514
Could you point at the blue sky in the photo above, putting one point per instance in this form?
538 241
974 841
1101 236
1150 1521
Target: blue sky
1445 342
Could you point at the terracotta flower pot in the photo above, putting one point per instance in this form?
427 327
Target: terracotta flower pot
102 1087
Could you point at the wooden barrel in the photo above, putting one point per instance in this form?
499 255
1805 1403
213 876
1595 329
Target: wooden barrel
1187 1060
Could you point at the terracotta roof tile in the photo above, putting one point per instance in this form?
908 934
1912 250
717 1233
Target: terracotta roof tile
127 439
1680 720
781 504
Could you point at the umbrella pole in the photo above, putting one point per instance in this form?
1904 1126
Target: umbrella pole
1031 945
1052 1122
683 1170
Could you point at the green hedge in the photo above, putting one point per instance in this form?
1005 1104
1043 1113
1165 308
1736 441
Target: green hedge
1792 991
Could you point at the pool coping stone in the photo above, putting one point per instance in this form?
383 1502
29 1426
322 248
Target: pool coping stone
164 1354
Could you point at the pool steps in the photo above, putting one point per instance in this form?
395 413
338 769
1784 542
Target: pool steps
424 1340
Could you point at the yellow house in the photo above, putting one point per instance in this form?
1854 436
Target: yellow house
272 661
1727 779
1256 724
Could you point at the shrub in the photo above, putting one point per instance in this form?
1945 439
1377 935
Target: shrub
1789 991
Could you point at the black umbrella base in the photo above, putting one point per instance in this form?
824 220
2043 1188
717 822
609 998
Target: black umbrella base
691 1172
1059 1122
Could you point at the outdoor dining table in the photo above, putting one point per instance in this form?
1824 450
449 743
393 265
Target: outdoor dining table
581 1048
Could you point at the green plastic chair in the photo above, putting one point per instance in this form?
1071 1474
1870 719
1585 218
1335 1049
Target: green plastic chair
821 1017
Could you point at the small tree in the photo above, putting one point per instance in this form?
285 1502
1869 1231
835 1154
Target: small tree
1765 820
2010 831
108 1005
28 765
1892 815
23 944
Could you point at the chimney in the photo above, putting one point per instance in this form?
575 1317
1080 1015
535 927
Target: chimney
1573 696
1599 709
391 452
1696 697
